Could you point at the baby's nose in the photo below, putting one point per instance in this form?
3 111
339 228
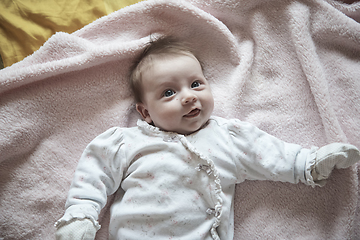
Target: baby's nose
189 98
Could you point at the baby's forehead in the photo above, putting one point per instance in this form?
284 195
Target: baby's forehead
159 57
156 61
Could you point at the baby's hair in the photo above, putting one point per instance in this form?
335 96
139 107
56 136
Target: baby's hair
159 48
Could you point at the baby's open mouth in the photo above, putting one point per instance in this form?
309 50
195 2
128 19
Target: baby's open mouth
193 113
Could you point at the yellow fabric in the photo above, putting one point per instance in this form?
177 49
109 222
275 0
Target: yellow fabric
26 24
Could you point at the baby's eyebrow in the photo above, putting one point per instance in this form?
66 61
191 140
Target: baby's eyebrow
166 83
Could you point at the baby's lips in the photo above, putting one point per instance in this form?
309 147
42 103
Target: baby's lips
193 113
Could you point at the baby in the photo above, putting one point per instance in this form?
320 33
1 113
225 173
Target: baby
174 174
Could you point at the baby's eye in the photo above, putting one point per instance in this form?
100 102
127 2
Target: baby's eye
168 93
195 84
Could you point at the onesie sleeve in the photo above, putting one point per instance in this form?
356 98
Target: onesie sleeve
98 174
261 156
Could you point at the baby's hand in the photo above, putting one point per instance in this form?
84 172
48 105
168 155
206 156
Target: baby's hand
77 229
334 155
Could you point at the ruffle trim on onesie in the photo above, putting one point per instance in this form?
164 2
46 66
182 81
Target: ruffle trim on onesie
208 166
76 216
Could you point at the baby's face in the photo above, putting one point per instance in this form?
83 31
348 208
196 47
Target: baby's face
177 97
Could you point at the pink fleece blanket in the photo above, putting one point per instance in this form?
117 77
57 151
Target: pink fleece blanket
291 67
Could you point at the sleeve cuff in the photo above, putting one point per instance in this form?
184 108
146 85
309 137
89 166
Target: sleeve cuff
310 165
73 213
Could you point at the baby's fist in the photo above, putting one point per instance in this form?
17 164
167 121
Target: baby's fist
334 155
77 229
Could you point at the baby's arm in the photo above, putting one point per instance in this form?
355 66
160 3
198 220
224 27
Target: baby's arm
261 156
97 175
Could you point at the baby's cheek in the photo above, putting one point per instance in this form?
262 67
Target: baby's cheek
165 117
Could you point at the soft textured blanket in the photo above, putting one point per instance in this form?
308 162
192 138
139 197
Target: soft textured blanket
291 67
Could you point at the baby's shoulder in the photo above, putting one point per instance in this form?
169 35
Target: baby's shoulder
229 123
234 127
117 133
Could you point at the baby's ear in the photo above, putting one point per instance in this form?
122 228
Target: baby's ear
140 107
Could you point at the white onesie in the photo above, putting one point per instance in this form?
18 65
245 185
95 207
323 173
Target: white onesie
171 186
